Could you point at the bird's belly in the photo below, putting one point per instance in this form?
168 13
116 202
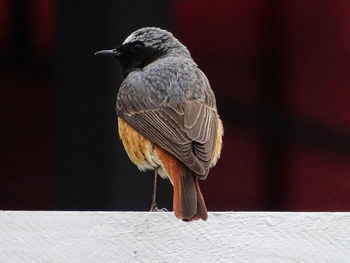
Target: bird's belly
139 149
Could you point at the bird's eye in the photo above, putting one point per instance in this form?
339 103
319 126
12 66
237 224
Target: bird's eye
137 45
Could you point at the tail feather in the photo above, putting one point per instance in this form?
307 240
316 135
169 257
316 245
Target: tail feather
188 195
202 212
188 202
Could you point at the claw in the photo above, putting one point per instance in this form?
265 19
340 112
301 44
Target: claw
156 209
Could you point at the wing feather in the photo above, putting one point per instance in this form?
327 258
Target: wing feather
187 130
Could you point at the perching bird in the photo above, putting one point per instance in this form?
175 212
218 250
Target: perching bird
167 116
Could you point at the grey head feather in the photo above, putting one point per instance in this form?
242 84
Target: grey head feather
160 39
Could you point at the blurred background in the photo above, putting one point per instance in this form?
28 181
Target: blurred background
280 71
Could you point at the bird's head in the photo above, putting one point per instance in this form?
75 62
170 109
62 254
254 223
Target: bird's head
144 46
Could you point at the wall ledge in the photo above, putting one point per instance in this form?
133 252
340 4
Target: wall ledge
50 236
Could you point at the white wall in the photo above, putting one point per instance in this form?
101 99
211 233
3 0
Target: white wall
160 237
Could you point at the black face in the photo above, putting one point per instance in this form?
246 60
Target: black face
135 55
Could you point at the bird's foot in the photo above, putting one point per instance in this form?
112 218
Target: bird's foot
154 208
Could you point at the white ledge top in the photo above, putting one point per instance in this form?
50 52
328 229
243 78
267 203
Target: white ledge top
50 236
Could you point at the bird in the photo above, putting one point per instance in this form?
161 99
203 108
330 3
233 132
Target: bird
167 116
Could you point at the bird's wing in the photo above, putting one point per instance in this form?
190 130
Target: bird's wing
187 130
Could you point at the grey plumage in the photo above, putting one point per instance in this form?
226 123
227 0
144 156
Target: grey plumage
159 39
170 102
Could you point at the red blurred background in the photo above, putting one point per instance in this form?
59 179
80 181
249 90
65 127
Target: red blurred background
280 71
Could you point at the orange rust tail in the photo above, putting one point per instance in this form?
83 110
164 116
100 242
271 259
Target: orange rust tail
188 202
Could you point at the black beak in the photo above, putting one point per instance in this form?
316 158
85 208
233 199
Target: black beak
110 52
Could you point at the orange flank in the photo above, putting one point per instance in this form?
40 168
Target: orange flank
136 145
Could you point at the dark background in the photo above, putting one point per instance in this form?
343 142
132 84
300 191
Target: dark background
280 71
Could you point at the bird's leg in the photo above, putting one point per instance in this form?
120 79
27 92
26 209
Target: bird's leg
154 204
154 207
